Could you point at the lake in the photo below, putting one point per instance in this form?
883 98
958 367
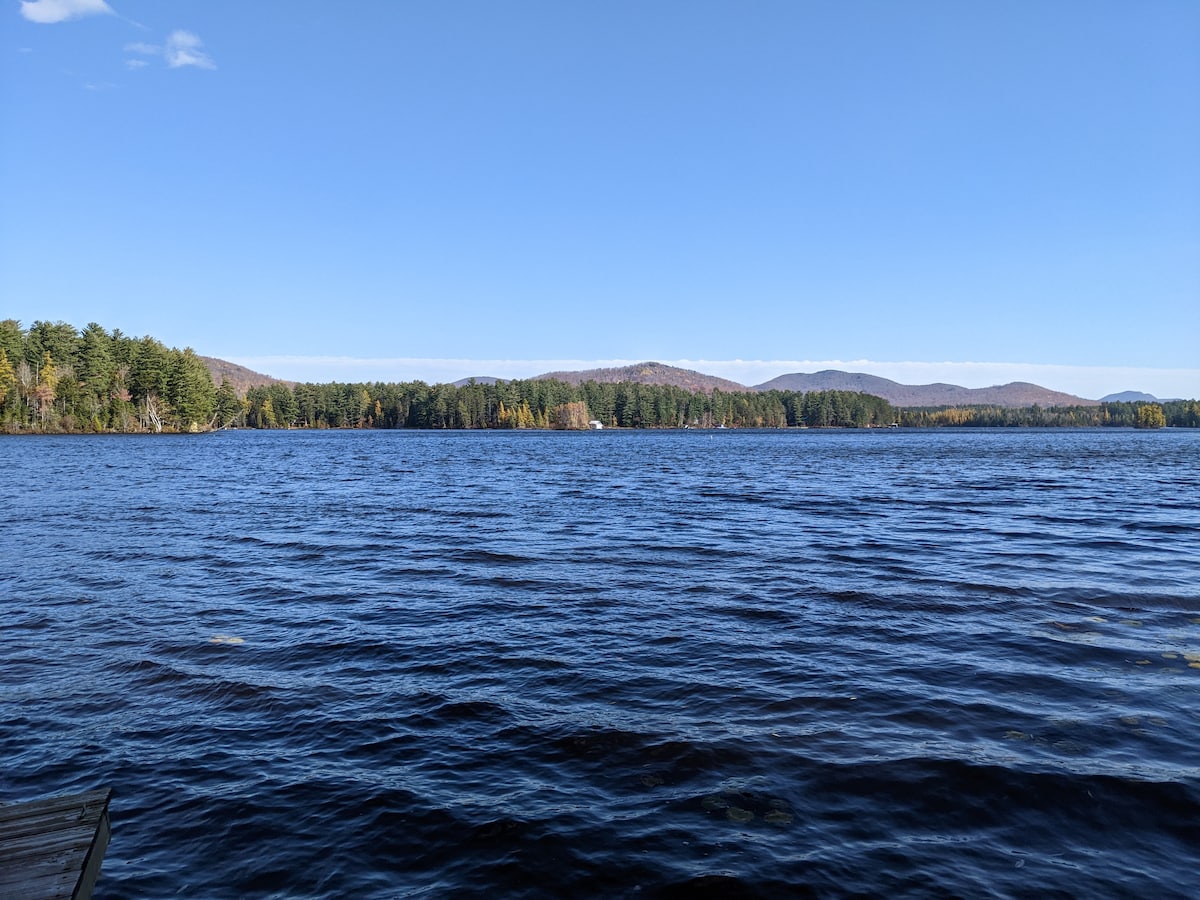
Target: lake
652 664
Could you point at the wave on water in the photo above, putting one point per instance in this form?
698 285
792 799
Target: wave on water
659 664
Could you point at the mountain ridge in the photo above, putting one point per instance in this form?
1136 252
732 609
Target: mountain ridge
240 377
1129 397
647 373
1015 394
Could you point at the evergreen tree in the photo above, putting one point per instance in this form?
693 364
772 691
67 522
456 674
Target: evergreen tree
226 407
191 394
284 403
148 370
58 339
12 341
95 368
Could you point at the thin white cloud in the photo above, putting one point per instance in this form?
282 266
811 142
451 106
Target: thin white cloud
48 12
182 48
1091 382
185 49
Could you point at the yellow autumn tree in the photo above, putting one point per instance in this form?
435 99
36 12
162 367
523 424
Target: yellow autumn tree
524 415
8 378
1151 415
47 384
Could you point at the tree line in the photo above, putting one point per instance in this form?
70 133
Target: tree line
552 404
1139 414
54 378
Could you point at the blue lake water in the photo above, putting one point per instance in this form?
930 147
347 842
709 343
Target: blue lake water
651 664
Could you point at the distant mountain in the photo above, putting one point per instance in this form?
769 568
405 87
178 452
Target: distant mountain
648 373
478 379
239 376
833 380
1016 394
1129 397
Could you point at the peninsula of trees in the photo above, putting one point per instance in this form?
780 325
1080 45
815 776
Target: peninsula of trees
54 378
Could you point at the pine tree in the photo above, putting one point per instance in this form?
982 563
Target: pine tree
190 390
12 341
226 407
96 366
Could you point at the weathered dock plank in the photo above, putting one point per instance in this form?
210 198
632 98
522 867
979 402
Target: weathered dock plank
52 848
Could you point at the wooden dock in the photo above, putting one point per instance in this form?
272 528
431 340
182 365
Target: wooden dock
53 848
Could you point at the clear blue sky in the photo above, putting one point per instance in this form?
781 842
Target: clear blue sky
500 184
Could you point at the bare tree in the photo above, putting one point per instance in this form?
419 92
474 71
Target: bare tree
152 412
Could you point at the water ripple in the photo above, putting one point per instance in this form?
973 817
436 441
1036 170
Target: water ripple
619 664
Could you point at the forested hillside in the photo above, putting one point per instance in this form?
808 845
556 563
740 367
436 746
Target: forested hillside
240 377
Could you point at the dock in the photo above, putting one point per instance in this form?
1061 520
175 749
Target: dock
52 848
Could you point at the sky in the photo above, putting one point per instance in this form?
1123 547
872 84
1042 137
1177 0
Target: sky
973 193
